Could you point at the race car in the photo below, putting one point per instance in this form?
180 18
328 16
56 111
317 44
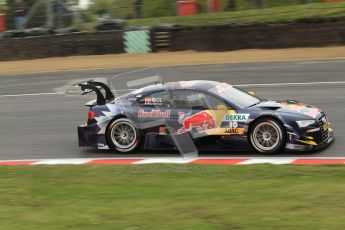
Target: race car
212 115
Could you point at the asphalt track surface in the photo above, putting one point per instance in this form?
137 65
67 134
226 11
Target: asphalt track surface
43 126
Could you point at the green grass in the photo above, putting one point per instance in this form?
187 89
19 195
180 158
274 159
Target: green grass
273 14
172 197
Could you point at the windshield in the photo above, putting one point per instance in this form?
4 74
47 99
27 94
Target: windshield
235 96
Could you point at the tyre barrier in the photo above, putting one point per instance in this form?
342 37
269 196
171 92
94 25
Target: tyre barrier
111 24
40 43
61 45
37 32
162 36
162 40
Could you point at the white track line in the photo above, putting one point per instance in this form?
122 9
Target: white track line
294 83
244 85
61 161
180 159
164 160
201 160
31 94
276 161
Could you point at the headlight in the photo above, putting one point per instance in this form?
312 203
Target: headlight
305 123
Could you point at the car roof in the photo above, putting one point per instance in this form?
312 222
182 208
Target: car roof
194 85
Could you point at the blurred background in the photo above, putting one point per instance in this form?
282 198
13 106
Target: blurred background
142 26
85 14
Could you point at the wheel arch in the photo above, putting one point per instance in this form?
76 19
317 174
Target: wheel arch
271 116
118 116
122 116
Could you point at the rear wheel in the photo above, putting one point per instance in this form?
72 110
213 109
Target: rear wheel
267 136
122 135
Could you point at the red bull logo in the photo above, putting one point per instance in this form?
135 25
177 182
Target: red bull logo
155 113
201 121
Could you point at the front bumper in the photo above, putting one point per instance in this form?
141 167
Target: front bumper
307 147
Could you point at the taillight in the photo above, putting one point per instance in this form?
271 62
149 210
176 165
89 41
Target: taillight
91 116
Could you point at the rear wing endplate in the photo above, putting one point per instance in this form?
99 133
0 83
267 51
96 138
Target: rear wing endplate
96 85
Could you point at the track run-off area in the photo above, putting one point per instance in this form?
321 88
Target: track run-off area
37 121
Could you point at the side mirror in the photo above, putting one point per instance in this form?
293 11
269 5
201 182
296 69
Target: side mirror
251 93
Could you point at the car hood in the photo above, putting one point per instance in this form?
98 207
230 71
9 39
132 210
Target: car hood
290 106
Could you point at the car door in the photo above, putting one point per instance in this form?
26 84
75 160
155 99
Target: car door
198 113
202 114
154 110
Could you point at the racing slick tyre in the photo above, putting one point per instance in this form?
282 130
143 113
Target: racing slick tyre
267 136
122 135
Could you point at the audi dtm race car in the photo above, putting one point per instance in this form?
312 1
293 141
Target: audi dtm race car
214 116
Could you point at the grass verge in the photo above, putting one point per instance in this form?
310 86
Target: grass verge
172 197
273 14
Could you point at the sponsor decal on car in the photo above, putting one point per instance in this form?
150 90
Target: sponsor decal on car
221 87
234 131
313 112
236 117
301 108
233 120
201 121
225 131
153 101
154 113
313 130
209 122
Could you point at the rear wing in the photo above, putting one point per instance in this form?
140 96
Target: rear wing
96 85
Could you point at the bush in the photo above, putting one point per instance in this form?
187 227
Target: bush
115 8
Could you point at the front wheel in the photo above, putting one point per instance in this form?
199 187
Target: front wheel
267 136
122 135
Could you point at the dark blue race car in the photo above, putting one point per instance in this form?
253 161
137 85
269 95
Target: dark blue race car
206 114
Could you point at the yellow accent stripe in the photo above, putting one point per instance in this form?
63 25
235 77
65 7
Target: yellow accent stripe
308 142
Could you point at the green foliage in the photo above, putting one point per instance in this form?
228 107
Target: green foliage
158 8
115 8
272 14
162 8
3 7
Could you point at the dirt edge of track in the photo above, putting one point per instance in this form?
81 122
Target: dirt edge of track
169 59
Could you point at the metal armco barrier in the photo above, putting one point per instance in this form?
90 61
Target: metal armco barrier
137 41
